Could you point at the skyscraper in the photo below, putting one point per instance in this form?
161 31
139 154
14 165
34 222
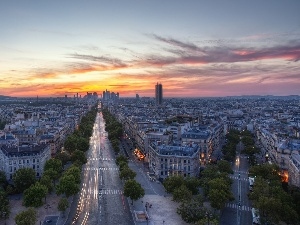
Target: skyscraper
158 94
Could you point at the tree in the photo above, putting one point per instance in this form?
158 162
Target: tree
64 157
27 217
219 193
172 182
75 172
80 156
67 185
127 174
193 210
34 195
224 166
23 178
120 159
4 205
182 194
3 180
62 206
70 143
133 190
53 174
83 144
193 184
47 182
54 164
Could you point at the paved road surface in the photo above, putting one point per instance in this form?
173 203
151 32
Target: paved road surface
101 198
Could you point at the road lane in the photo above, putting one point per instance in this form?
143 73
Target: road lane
101 199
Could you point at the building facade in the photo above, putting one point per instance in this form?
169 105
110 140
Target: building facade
158 94
13 158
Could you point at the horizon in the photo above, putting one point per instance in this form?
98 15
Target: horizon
205 49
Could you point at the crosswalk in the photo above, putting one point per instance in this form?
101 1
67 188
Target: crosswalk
237 178
102 168
110 192
241 172
235 206
98 158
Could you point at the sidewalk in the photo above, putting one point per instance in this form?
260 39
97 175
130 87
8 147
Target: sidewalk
161 210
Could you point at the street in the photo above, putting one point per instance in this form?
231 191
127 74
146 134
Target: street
101 198
239 210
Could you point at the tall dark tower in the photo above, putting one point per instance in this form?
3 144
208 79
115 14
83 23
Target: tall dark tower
158 94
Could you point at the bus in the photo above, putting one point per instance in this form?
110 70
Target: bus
255 216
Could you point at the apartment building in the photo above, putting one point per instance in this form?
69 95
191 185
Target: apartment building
174 159
13 158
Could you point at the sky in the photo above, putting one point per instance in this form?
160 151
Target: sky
194 48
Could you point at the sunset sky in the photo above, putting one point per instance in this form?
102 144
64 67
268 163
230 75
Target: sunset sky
195 48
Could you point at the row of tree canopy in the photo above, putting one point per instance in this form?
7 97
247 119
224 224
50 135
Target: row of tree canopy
132 188
58 175
275 200
216 186
114 129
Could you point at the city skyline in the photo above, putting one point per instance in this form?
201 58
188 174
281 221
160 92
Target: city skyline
200 49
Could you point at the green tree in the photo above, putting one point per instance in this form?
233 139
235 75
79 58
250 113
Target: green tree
23 178
75 172
133 190
54 164
224 166
193 184
53 174
62 206
83 144
3 180
127 174
182 194
67 185
193 210
64 157
219 193
173 182
4 205
34 195
27 217
120 159
70 143
80 156
47 182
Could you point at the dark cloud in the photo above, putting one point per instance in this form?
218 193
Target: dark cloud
194 54
100 59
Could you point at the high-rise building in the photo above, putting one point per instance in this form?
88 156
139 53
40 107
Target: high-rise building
158 94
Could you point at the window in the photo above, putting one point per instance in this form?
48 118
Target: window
27 160
184 161
20 161
33 166
9 162
33 160
188 161
162 173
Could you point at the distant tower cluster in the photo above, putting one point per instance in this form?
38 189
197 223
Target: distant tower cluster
158 94
107 96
